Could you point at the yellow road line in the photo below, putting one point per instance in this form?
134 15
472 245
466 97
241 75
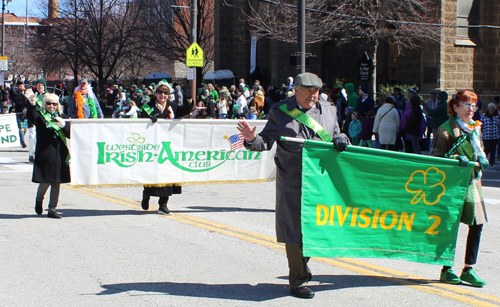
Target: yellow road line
421 280
350 264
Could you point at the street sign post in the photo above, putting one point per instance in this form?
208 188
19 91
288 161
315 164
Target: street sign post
190 74
194 56
4 63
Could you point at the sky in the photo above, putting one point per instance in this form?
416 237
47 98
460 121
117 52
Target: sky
18 7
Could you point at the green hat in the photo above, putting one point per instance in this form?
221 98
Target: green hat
138 91
42 81
308 79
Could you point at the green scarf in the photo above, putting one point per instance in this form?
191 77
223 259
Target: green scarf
93 111
307 120
50 123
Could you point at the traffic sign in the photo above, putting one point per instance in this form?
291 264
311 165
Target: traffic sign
194 56
190 75
4 63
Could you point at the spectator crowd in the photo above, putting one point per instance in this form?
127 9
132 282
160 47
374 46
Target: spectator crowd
401 121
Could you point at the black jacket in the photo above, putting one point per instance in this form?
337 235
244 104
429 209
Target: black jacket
18 100
51 152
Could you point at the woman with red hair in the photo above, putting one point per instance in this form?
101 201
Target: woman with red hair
460 138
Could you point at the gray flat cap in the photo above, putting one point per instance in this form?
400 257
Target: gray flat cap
83 80
308 79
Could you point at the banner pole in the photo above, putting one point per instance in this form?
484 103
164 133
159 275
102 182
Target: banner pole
380 152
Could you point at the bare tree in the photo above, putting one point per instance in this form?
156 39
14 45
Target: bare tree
21 61
401 22
169 26
111 32
61 43
133 66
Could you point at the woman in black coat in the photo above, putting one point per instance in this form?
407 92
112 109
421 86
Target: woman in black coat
51 165
159 107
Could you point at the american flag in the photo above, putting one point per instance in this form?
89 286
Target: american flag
236 141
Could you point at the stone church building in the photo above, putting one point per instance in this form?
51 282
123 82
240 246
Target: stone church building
464 58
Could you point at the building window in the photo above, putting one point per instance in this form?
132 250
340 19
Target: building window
468 14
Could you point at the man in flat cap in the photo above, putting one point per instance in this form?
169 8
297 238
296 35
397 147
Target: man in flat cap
286 118
84 103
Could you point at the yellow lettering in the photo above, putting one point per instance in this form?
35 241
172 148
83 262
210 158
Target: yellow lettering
332 215
434 225
319 209
406 220
341 216
354 216
365 218
394 219
375 218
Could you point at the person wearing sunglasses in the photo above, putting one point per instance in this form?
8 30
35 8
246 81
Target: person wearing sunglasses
159 107
51 165
460 138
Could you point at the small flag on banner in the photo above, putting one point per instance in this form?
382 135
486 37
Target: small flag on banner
236 141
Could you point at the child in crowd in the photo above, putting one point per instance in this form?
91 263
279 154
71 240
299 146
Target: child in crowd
367 128
222 106
355 128
345 128
252 114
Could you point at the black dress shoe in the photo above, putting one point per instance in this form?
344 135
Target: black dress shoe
302 292
163 210
54 215
38 208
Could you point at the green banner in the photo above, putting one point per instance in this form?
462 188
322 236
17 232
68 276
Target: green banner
366 202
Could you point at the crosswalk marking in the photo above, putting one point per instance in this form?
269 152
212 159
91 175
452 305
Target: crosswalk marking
11 165
491 201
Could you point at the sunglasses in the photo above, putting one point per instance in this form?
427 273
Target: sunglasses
162 92
48 103
469 106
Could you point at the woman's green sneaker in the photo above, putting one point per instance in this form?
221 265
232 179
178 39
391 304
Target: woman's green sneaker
450 277
471 277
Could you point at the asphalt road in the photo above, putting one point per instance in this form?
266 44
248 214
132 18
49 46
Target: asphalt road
216 249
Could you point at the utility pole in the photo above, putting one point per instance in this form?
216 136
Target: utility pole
27 22
301 36
194 33
4 4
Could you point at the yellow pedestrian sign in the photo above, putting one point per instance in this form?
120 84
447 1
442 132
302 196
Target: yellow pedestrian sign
4 64
194 56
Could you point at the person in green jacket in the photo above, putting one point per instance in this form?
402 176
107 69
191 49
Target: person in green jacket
352 97
439 114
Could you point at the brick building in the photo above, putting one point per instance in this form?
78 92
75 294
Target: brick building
464 58
18 31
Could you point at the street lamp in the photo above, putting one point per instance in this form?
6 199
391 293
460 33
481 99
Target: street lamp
4 4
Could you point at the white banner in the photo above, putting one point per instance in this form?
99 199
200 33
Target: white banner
135 152
9 132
